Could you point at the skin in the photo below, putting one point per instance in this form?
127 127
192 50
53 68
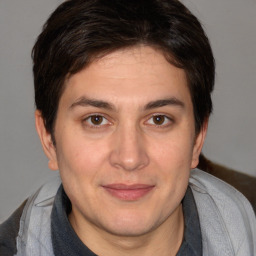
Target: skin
126 119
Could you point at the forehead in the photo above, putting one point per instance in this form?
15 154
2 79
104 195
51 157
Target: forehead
142 73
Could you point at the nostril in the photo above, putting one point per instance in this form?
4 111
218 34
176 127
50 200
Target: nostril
129 151
129 161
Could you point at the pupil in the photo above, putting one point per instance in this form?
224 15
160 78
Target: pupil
97 120
158 120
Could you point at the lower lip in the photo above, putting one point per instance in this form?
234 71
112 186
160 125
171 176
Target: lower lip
129 194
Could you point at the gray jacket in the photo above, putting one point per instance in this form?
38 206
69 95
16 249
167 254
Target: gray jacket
227 221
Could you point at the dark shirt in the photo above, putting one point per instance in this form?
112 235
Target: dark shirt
66 242
9 231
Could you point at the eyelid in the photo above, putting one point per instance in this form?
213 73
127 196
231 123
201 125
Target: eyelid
90 125
169 119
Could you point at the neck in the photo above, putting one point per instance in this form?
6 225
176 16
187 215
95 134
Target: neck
166 239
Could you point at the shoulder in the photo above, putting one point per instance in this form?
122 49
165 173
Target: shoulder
34 208
218 190
226 216
9 231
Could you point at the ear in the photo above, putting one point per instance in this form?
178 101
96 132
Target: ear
46 141
199 142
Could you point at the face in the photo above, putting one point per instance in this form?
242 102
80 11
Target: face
125 142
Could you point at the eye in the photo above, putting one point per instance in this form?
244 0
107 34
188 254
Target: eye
159 120
96 120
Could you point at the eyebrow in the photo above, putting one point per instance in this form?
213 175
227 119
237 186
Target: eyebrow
84 102
164 102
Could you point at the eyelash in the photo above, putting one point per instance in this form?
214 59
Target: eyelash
88 120
166 122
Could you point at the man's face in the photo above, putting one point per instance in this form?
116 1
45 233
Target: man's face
125 142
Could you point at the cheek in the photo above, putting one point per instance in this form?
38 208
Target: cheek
79 157
174 152
173 165
173 159
80 165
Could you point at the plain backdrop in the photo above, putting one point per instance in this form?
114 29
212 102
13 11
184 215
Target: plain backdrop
231 140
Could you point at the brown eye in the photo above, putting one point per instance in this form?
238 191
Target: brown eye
159 120
96 120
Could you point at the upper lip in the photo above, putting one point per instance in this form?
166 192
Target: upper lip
120 186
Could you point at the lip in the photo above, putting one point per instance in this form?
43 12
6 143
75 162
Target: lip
128 192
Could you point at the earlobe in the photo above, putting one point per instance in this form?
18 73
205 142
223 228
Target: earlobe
199 142
46 141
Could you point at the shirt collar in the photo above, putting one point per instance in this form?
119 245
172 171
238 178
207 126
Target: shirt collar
192 242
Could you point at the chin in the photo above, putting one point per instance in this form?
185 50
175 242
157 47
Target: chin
130 225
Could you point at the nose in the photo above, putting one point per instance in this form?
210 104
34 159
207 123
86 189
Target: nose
129 151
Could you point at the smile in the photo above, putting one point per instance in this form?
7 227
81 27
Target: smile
128 192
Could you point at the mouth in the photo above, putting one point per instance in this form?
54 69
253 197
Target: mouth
128 192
